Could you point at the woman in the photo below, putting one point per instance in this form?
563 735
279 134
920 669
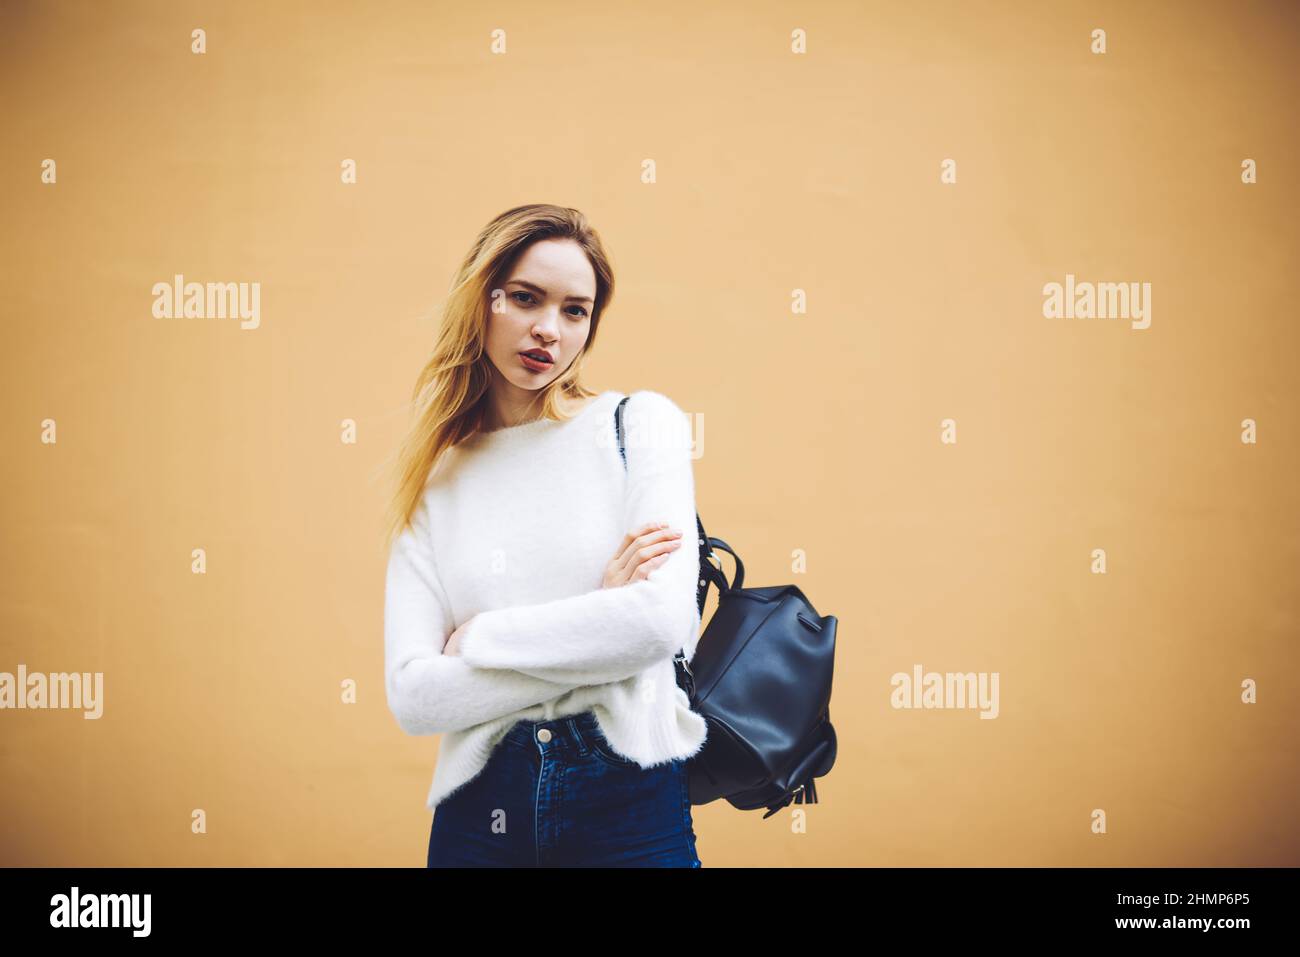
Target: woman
537 589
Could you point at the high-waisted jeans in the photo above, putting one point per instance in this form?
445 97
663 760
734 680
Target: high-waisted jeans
555 794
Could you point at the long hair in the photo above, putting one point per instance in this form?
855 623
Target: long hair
449 400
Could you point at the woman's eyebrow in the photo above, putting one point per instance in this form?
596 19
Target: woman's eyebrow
538 289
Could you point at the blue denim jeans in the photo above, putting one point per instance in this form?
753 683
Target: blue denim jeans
555 794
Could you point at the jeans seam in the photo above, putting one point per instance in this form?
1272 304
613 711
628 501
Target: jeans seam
559 810
577 736
537 802
691 855
602 755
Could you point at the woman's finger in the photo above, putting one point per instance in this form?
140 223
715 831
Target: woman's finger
638 547
651 557
645 568
629 558
630 537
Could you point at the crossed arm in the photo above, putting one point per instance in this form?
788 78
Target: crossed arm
512 658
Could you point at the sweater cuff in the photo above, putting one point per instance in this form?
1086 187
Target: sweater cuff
468 648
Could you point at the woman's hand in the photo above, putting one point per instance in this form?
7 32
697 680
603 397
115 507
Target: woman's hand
641 553
452 647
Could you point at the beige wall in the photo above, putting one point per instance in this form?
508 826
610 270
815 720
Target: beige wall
775 172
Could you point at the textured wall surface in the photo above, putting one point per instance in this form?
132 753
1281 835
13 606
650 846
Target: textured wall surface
833 226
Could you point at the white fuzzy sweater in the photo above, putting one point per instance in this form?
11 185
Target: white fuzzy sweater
515 530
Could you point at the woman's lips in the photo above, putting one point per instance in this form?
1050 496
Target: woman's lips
532 365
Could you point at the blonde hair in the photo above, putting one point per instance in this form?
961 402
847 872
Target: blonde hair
449 398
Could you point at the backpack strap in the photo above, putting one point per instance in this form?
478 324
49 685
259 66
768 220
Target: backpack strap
708 571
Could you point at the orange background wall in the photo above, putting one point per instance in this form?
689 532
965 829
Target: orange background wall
775 171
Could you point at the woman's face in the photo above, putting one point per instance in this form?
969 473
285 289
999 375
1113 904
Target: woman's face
543 306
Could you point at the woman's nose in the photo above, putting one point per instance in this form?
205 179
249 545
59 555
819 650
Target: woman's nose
547 326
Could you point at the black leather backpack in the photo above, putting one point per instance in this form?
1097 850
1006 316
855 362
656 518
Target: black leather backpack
761 679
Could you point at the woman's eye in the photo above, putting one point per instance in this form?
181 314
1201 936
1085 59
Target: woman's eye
528 297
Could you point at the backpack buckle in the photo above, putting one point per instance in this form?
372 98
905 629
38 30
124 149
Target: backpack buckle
685 664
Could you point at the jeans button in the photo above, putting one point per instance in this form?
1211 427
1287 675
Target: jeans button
544 735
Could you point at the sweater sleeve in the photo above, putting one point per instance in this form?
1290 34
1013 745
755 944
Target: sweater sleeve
428 692
613 633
